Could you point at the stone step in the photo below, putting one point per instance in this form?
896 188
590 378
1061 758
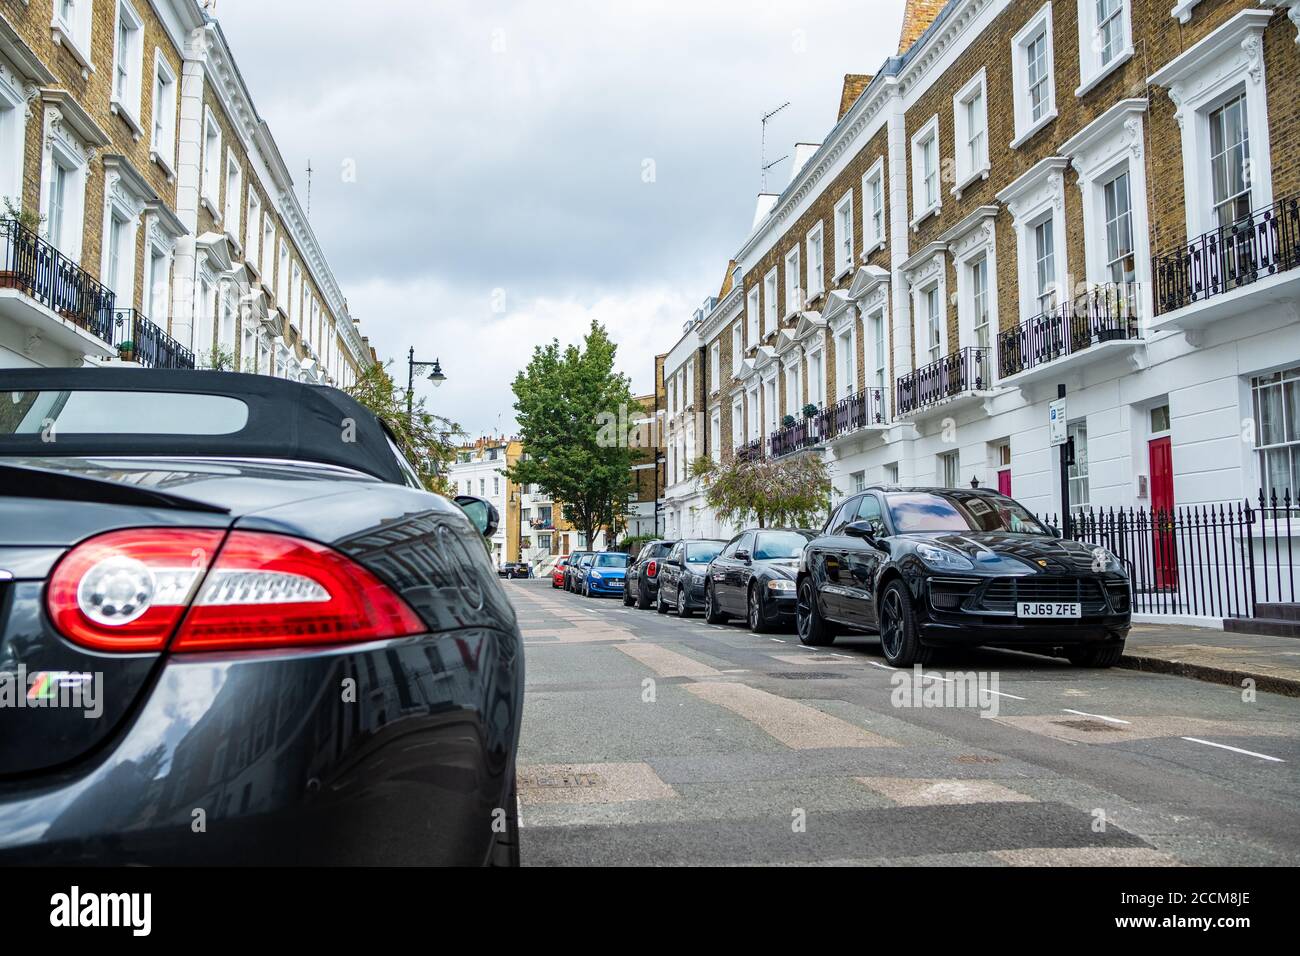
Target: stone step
1269 626
1279 611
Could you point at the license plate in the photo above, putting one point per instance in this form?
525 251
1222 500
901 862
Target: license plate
1047 609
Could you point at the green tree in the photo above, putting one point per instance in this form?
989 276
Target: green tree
427 440
572 408
793 491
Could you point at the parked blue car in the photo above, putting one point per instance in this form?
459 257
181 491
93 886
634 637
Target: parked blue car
605 573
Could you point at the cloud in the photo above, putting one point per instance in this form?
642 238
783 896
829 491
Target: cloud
506 146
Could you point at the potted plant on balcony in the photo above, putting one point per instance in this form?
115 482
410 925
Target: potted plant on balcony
24 219
788 421
126 350
809 410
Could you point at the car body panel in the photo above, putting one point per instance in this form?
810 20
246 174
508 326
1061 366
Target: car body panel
680 565
731 575
639 580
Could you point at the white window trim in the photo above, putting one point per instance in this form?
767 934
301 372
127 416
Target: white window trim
1111 144
75 37
253 230
210 192
794 297
816 355
930 130
818 234
737 422
846 377
870 241
1025 127
936 281
164 154
715 367
961 133
62 146
753 318
1091 69
11 93
1039 192
126 110
843 263
975 239
869 356
771 315
231 208
1198 80
737 354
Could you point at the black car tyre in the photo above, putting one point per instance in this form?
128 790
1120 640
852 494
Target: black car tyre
899 639
755 612
814 630
627 595
505 852
711 612
1107 655
683 604
660 606
642 599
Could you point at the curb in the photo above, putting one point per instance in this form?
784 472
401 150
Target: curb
1285 686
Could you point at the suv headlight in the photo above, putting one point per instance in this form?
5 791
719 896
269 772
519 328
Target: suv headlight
780 584
942 559
1104 560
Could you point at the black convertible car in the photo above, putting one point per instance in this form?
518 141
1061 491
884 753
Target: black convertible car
235 629
753 578
930 567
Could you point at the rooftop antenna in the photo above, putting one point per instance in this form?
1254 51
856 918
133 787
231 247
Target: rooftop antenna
762 149
309 188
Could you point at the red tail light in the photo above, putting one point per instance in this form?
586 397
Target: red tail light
262 590
652 568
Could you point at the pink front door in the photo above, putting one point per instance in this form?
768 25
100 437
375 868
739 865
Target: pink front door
1004 482
1162 513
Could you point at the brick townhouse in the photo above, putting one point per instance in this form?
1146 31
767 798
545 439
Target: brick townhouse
1096 194
149 217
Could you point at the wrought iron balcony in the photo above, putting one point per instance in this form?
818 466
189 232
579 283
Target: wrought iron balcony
30 264
750 451
1262 244
1102 314
964 370
150 345
858 410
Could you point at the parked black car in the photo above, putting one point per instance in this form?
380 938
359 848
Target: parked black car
224 608
753 577
576 573
571 576
932 567
683 573
516 569
643 575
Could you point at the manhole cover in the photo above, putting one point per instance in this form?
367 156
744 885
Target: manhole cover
1089 726
571 781
978 758
806 675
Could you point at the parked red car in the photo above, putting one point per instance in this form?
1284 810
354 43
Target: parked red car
557 576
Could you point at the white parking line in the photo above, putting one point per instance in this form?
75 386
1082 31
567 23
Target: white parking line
777 639
1111 720
1236 750
883 667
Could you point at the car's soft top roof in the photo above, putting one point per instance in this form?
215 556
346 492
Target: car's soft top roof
286 420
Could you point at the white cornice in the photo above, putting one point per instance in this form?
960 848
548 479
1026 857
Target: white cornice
726 310
920 61
1235 32
22 56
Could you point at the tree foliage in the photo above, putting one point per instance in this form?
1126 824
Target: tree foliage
427 440
792 492
565 401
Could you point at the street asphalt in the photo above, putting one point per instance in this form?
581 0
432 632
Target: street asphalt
652 740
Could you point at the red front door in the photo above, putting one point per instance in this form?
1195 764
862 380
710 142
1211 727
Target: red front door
1004 482
1162 513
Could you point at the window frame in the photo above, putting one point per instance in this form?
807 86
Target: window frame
771 317
794 293
126 102
873 239
843 232
816 235
164 153
211 175
1092 69
1025 124
970 168
922 139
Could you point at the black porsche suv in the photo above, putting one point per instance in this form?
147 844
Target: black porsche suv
933 567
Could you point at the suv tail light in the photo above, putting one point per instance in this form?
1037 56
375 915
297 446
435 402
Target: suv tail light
128 591
652 568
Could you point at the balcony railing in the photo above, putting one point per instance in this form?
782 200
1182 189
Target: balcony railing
1102 314
750 451
1262 244
961 371
29 263
151 346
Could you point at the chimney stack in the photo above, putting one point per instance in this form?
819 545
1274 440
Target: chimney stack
917 16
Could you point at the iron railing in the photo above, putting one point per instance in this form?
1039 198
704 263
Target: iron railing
1212 560
961 371
150 345
1102 314
1256 246
750 451
858 410
29 263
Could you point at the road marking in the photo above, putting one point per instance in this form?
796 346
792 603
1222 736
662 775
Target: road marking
1236 750
1110 720
847 657
883 667
795 724
777 639
666 663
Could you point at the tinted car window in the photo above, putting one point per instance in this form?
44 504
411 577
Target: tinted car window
702 551
585 560
123 413
676 553
779 544
927 511
746 542
611 560
730 548
869 510
842 516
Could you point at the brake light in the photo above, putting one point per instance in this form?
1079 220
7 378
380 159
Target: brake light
127 590
262 590
652 568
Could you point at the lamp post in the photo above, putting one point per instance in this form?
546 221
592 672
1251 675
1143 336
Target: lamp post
435 376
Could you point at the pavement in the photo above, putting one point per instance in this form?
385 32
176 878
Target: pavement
1222 657
649 739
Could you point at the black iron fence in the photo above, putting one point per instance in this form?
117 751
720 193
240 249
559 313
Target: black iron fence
961 371
1262 244
1212 560
858 410
1104 313
147 343
29 263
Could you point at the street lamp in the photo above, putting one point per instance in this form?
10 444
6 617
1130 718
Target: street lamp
975 483
435 376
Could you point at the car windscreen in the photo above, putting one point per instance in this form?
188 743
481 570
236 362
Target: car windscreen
585 560
955 511
51 412
660 550
699 552
611 560
778 544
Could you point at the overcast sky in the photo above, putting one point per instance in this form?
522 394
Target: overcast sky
522 168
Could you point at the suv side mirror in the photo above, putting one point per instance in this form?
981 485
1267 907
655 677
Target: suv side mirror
742 555
860 529
482 514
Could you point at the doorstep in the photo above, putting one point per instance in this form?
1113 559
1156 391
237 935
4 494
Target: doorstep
1220 657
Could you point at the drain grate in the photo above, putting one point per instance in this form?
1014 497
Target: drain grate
807 675
568 781
1089 726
